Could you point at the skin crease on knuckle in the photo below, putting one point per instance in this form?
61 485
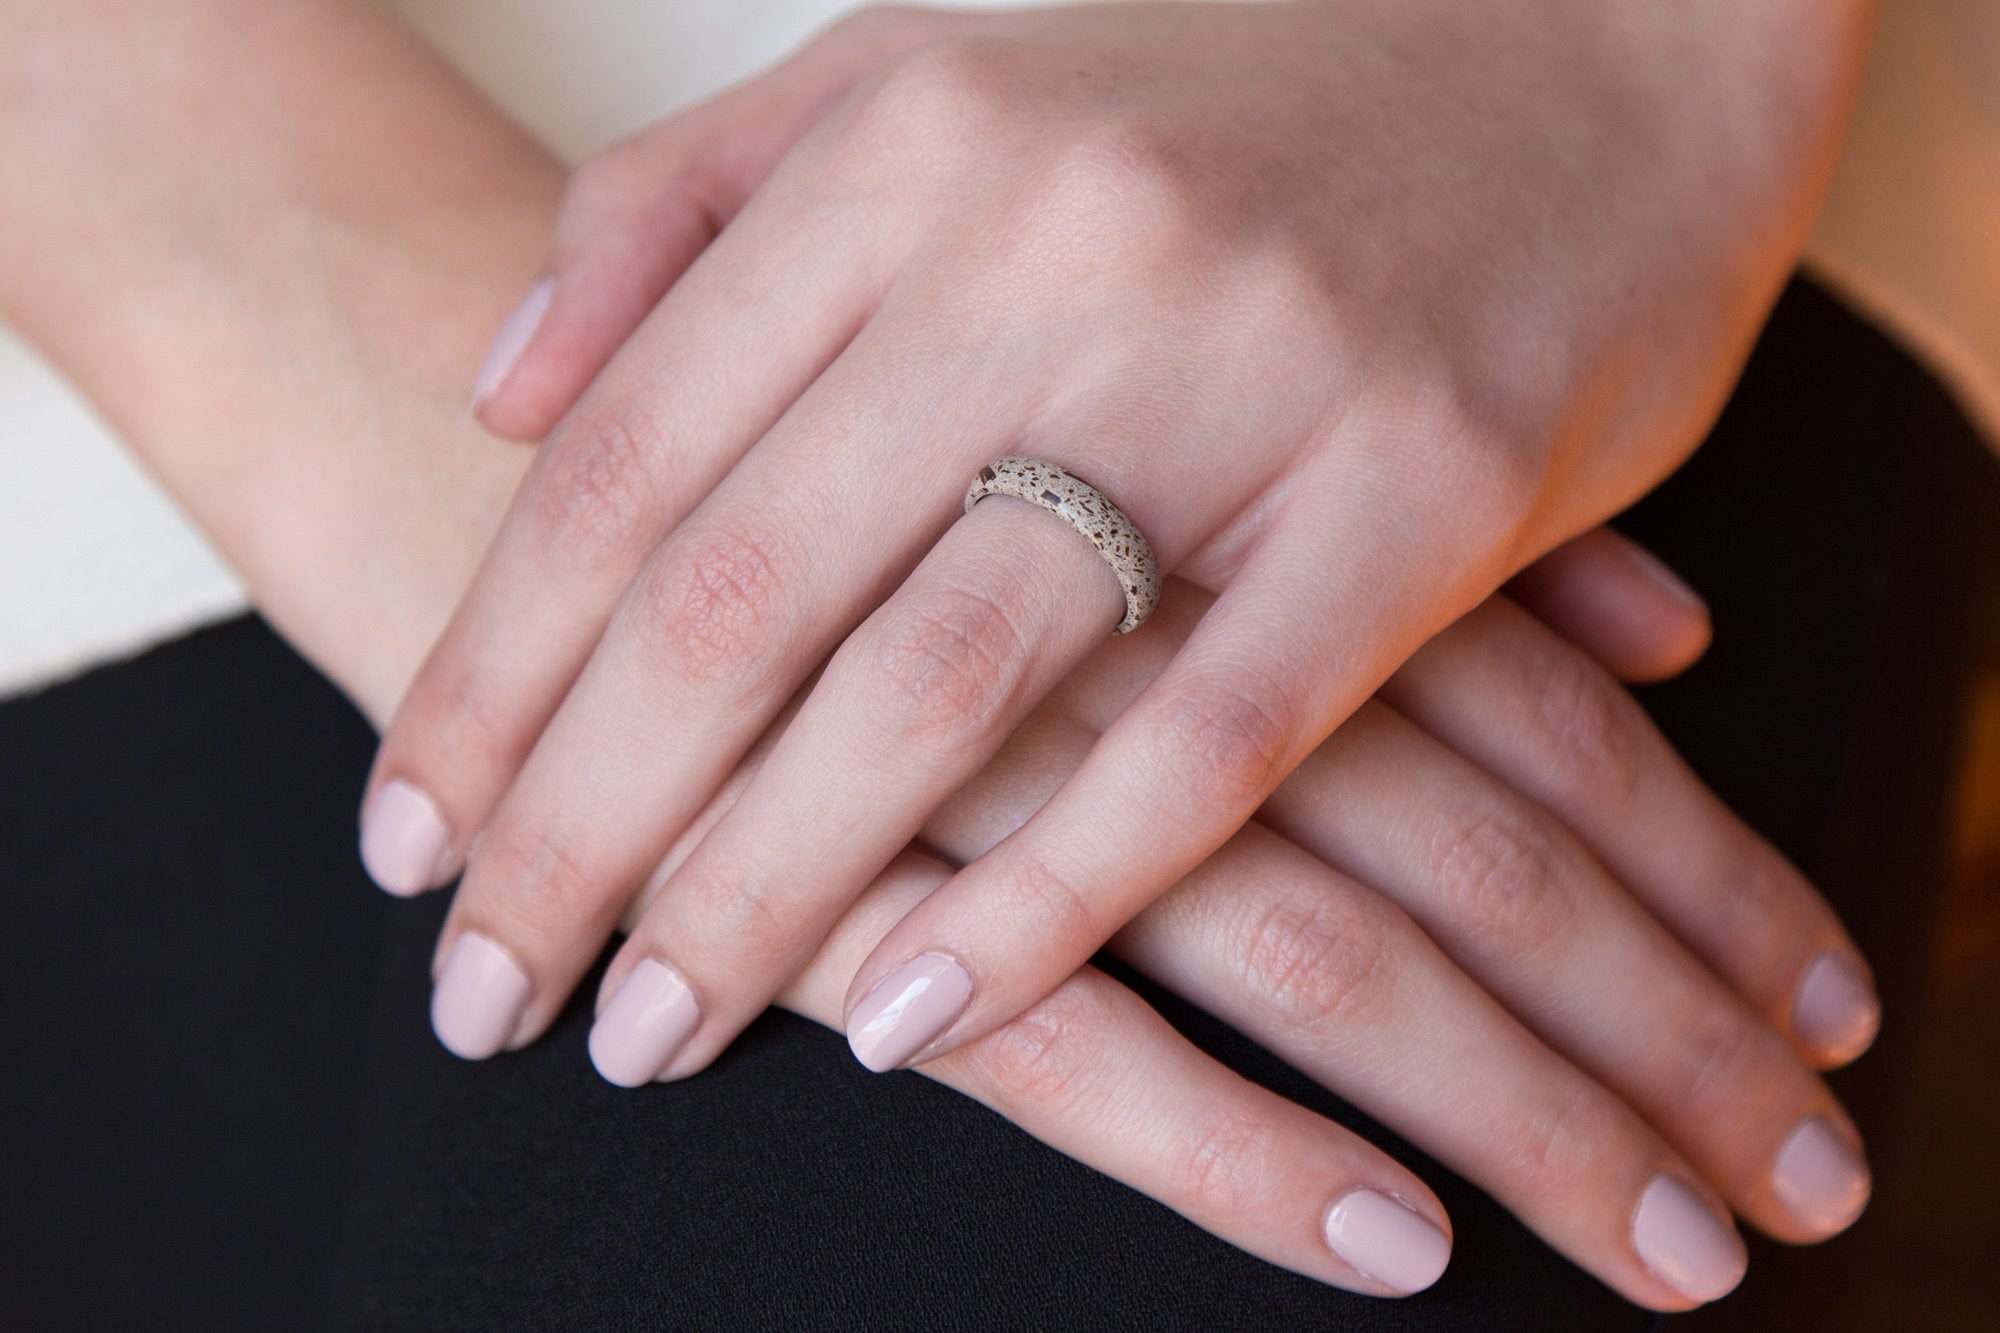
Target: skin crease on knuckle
1223 746
1731 1071
1225 1168
592 495
946 662
1562 1153
1318 964
722 912
548 890
467 723
1596 737
1037 890
714 611
1048 1059
1496 871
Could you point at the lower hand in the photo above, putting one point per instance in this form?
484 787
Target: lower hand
1408 925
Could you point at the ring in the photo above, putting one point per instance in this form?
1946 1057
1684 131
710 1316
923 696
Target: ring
1088 510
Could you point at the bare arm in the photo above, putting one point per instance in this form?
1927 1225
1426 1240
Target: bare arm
269 242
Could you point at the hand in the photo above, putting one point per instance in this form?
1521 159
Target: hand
1355 308
354 212
1491 994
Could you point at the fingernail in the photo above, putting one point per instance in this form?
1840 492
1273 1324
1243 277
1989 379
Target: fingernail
512 340
907 1010
1387 1240
645 1025
1655 571
1685 1244
1820 1180
404 839
1836 1011
478 999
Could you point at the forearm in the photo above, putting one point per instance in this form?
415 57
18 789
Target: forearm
269 242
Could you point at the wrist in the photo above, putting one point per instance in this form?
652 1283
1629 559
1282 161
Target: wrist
280 318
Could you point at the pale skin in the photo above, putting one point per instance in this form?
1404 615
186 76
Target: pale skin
282 312
1355 308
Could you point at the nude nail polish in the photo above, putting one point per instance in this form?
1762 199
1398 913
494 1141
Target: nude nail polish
1387 1240
479 997
404 839
1836 1011
907 1010
647 1022
1820 1180
1685 1244
513 338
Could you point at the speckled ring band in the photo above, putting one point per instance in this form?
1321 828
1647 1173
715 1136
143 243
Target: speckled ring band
1088 510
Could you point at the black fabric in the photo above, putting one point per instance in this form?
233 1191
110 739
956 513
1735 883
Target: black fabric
221 1106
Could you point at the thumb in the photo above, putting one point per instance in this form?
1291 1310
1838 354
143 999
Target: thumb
638 214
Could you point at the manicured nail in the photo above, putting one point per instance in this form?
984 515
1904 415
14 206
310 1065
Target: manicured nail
1820 1180
1387 1240
907 1010
404 839
645 1025
1836 1011
478 999
1685 1244
1655 571
512 340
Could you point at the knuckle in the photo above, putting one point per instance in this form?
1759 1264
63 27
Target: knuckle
1489 454
1749 906
1552 1153
940 97
1043 1058
1595 733
950 663
1312 960
596 489
1036 891
1724 1061
874 26
1221 1172
1114 194
479 731
549 885
1227 746
712 609
1500 871
720 914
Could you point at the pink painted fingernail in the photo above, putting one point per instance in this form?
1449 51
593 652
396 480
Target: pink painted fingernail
512 340
1685 1244
479 997
404 839
645 1025
1820 1180
907 1010
1836 1011
1387 1240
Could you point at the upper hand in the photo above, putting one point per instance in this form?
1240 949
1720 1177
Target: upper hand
1355 309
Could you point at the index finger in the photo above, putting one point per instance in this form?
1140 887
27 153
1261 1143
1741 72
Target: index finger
721 359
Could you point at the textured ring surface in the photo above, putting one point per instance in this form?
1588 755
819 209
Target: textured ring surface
1088 510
